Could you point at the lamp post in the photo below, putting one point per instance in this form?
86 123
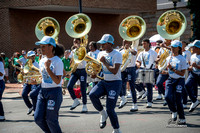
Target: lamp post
80 6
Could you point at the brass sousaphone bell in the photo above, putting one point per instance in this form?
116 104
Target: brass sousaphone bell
47 26
170 25
132 28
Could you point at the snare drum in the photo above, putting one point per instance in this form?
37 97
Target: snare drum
145 76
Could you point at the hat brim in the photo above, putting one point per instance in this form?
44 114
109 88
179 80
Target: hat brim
31 55
44 43
174 46
103 42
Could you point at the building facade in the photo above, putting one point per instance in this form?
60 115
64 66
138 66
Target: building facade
19 18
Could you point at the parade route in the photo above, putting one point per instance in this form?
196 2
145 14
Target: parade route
153 120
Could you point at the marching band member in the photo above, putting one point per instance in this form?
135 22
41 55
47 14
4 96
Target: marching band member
50 95
163 76
187 55
2 87
194 77
31 89
80 74
129 75
111 85
66 62
175 83
93 53
146 59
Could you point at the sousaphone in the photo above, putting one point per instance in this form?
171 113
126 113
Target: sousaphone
47 26
132 28
170 25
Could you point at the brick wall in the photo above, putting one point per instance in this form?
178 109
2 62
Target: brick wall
5 44
137 5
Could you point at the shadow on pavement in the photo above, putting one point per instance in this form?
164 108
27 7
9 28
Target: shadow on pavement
19 120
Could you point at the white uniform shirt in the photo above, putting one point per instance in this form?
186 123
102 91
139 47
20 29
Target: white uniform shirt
195 58
178 63
162 50
132 60
23 61
149 58
2 70
56 67
112 58
187 55
94 54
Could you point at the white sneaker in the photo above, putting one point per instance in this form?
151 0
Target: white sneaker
159 97
84 109
194 105
144 95
122 102
8 81
103 118
2 118
149 105
30 110
139 94
75 104
117 131
129 95
174 116
134 108
181 122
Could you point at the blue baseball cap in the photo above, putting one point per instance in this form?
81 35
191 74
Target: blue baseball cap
30 53
106 38
176 43
196 43
47 40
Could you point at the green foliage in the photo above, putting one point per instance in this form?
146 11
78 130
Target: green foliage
194 7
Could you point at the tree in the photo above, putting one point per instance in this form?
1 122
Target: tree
194 7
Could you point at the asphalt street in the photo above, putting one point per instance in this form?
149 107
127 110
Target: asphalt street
145 120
